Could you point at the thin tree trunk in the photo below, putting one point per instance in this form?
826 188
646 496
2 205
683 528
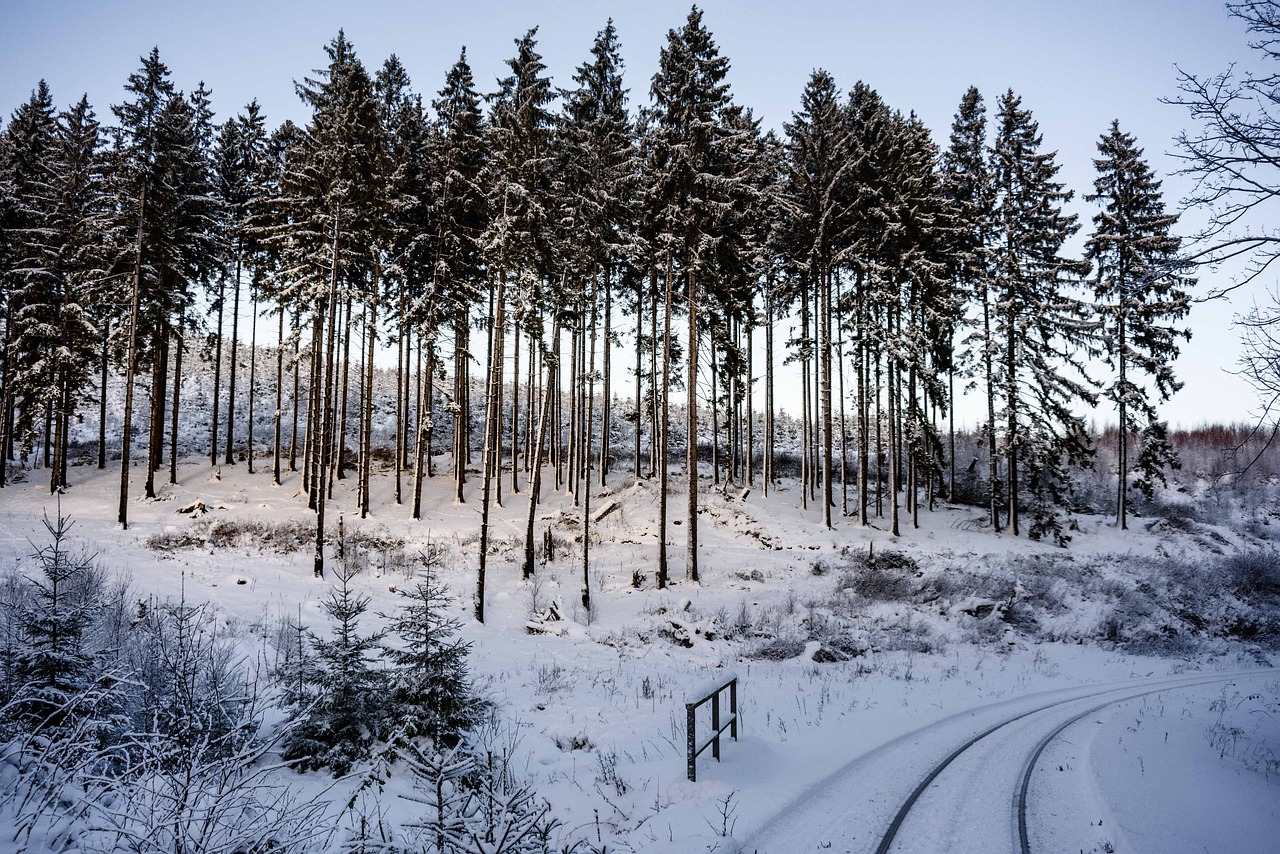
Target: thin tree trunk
535 477
606 381
515 408
177 397
663 445
639 368
402 396
325 410
102 403
824 352
235 342
715 417
253 373
769 423
691 557
277 427
864 402
751 410
217 371
297 369
805 355
844 427
951 432
131 366
340 452
1122 452
492 436
155 435
993 477
1012 439
366 450
460 411
6 404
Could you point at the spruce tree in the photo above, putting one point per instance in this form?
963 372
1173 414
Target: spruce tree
1139 285
460 213
429 684
58 238
1042 329
968 185
163 199
819 161
321 224
689 98
515 244
56 663
30 278
343 711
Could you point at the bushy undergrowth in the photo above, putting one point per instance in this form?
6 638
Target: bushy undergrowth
1146 605
141 727
284 537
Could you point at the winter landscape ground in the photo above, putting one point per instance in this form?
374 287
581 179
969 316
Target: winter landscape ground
862 417
863 660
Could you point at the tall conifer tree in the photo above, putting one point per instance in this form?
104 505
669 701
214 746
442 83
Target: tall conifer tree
1139 284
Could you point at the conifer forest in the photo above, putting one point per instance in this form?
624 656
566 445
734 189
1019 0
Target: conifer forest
448 336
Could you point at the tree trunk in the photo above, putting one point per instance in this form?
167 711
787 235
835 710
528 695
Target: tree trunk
460 410
235 341
102 403
606 381
177 397
366 450
130 369
324 407
663 444
639 368
769 423
751 410
488 469
691 557
253 373
340 451
217 371
824 352
155 433
535 477
277 427
864 402
1122 452
297 369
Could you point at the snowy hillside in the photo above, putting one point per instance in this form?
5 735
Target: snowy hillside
844 642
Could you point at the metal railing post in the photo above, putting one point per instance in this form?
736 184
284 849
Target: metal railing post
692 740
733 709
715 726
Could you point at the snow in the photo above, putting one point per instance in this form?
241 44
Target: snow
595 713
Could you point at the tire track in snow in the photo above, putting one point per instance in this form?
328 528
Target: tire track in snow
852 810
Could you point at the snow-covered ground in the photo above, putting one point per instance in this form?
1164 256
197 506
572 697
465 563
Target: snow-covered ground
856 676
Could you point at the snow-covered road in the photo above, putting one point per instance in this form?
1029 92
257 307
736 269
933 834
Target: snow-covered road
955 785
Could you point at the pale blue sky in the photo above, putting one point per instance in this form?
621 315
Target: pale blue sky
1077 64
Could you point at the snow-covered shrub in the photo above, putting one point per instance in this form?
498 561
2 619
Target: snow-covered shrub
471 801
1253 574
190 691
889 576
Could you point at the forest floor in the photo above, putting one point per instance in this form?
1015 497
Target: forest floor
850 646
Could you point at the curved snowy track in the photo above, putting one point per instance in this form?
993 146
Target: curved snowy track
958 784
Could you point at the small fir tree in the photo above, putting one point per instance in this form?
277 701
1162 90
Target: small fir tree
346 714
55 665
429 685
